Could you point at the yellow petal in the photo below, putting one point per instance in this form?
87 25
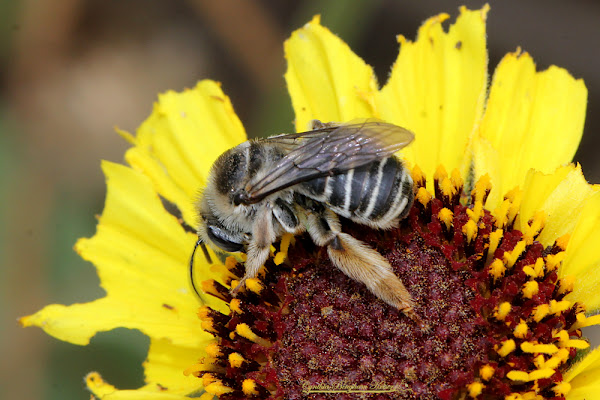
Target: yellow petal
582 257
165 365
437 90
105 391
141 253
584 377
181 139
532 120
561 195
325 79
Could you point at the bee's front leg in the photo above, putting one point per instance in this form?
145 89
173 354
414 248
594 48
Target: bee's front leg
258 249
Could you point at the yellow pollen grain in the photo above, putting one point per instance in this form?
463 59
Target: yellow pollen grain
494 240
540 312
470 230
580 344
514 196
508 346
502 311
213 350
236 360
566 284
556 360
218 388
521 330
497 269
530 289
244 331
204 312
486 372
511 257
249 387
209 287
254 285
554 260
542 373
475 389
562 388
563 241
446 216
235 305
423 196
557 307
529 347
230 262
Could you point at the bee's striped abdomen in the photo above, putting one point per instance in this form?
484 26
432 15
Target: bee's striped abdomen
376 194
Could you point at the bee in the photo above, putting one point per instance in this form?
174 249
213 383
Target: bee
303 182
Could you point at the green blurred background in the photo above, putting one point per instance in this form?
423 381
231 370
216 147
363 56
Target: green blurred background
72 70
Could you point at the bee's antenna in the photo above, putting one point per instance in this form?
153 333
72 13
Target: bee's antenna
205 251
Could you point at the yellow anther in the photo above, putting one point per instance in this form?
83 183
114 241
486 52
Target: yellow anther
556 307
494 239
235 305
511 257
502 311
508 346
497 269
534 227
529 347
204 312
423 196
514 196
556 360
521 376
566 284
583 321
542 373
501 214
562 388
249 387
530 289
470 230
208 378
218 388
482 186
521 330
563 241
554 260
486 372
213 350
475 389
447 187
440 173
244 331
576 344
476 212
456 178
230 262
540 312
446 216
236 360
418 176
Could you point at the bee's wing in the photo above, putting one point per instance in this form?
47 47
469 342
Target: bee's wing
328 151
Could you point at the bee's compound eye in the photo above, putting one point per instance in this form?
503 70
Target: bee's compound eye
240 197
221 239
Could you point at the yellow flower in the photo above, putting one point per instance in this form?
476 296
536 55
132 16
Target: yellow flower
511 145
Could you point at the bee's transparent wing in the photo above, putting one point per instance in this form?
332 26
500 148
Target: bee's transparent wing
328 151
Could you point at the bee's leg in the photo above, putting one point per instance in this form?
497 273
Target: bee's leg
258 250
360 262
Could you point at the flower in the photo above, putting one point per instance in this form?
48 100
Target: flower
500 253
